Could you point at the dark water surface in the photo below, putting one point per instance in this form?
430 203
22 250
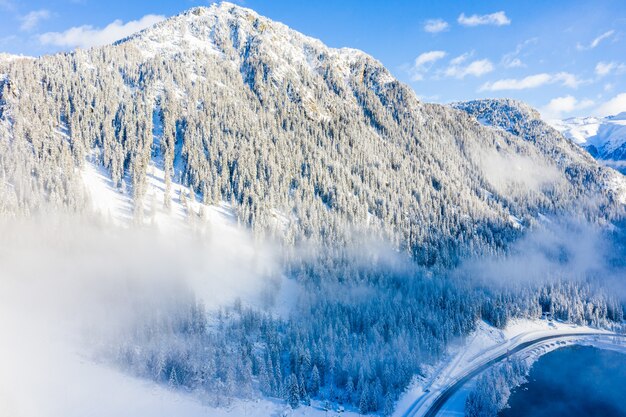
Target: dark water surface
571 382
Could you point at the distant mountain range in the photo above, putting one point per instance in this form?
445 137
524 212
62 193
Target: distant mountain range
604 138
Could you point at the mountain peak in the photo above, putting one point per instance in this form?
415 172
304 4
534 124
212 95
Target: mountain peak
212 25
220 7
230 33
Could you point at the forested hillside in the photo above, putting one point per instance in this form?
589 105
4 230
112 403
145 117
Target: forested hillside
522 121
307 141
375 199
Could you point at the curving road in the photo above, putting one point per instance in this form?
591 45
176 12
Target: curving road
448 392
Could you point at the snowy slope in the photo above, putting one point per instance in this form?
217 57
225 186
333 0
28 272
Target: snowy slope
604 138
118 205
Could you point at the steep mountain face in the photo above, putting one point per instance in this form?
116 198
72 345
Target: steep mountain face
520 120
604 138
306 142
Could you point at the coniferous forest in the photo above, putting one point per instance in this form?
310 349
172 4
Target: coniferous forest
318 151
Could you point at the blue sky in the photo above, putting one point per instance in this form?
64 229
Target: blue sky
564 57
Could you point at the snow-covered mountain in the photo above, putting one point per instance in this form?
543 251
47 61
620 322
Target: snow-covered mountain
301 140
340 214
604 138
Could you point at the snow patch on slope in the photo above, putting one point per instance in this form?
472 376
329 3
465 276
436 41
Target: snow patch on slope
105 200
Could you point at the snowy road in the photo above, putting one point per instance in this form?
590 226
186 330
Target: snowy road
431 402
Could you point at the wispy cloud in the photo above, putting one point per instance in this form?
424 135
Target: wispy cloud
476 68
436 26
87 36
423 63
533 81
31 20
606 68
514 63
494 19
512 59
429 57
559 106
594 43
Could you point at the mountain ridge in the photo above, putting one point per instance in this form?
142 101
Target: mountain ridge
241 109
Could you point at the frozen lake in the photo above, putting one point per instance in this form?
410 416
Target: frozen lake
573 381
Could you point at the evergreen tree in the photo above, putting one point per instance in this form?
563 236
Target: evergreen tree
293 392
315 381
364 401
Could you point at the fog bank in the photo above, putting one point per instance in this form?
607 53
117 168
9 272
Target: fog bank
68 288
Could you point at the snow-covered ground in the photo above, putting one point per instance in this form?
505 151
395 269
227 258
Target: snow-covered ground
118 206
483 344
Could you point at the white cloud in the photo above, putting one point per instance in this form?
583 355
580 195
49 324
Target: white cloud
476 68
606 68
614 106
428 57
533 81
559 106
512 59
516 173
514 63
461 58
87 36
32 19
61 311
496 19
567 79
594 43
602 37
423 62
436 26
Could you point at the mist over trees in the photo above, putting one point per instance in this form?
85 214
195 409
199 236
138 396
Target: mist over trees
362 330
316 148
